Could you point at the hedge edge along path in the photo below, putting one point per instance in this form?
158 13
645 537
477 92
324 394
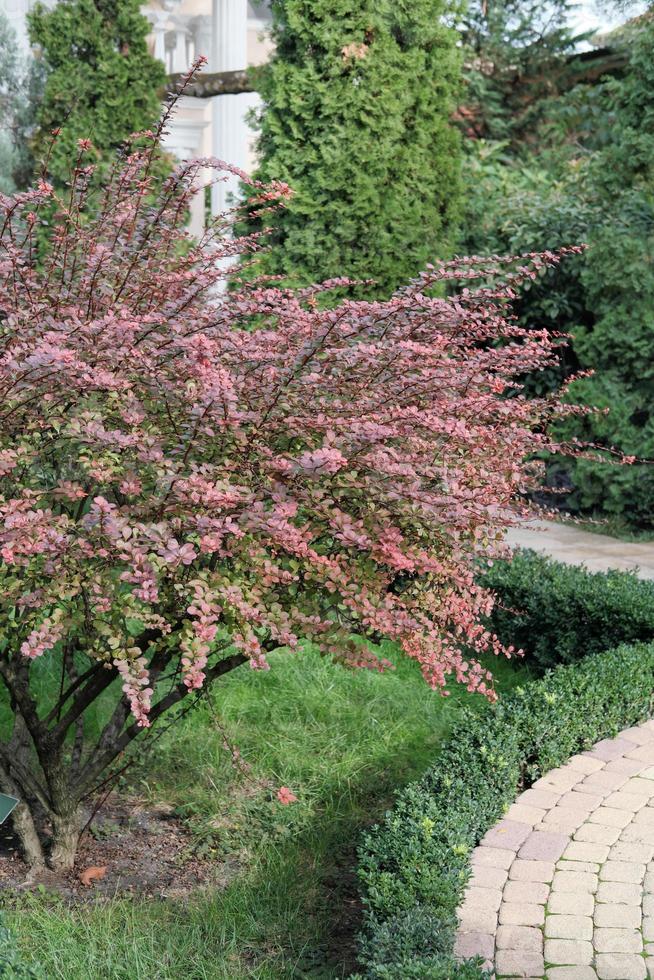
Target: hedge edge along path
570 870
415 866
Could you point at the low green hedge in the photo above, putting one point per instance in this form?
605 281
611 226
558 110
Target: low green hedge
414 867
560 613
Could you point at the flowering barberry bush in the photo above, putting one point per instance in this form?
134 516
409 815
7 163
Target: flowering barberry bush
191 477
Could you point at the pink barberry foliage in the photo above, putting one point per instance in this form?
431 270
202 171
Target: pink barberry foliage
192 476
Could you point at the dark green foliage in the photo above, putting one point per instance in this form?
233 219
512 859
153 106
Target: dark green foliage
102 82
592 181
357 105
560 613
515 62
415 865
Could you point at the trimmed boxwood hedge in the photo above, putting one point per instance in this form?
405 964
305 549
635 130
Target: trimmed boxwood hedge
560 613
414 867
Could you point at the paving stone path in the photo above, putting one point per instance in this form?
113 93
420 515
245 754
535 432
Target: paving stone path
575 546
563 886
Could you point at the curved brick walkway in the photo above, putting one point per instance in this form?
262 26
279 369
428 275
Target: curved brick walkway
563 886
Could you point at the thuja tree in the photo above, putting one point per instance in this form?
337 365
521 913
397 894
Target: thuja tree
191 478
101 80
356 116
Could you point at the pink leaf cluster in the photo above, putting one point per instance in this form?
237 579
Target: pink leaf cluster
189 472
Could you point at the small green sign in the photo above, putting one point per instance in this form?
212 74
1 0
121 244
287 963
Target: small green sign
7 804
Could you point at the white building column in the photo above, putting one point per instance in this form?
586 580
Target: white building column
231 134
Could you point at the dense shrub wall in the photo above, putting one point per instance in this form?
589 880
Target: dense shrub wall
560 613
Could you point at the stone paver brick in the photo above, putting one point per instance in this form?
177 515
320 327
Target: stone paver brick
625 801
483 877
639 786
481 898
470 944
585 764
581 801
559 780
648 905
610 817
640 734
492 857
544 799
530 892
647 773
617 916
620 966
478 920
598 834
571 973
648 883
643 753
519 937
630 766
636 834
581 851
519 964
568 927
568 952
525 814
610 748
602 782
507 834
574 881
645 817
617 941
541 846
562 820
521 914
618 893
624 851
569 903
531 870
622 871
565 865
648 929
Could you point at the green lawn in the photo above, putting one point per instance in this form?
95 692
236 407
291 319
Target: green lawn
342 741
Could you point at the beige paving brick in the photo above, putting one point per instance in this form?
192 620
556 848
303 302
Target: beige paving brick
568 927
569 903
531 870
585 764
637 834
639 786
630 766
643 753
597 833
648 928
492 857
581 851
526 938
638 734
574 881
645 817
581 801
481 898
562 820
648 883
507 834
647 773
470 944
620 966
617 916
525 814
610 748
622 871
509 963
478 920
521 914
648 905
568 952
565 865
559 780
617 940
544 799
530 892
625 851
610 817
541 846
602 782
618 893
484 877
631 802
571 973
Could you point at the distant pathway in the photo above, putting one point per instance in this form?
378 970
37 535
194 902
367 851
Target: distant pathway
597 552
563 886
